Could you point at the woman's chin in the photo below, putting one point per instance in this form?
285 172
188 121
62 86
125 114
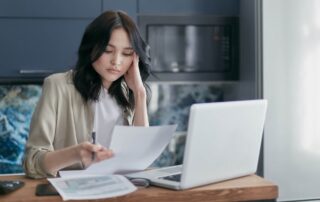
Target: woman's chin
110 79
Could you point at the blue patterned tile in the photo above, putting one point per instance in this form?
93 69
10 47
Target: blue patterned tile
170 104
17 103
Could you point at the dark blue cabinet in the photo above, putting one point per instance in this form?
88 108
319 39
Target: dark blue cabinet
129 6
211 7
50 8
191 40
38 47
40 37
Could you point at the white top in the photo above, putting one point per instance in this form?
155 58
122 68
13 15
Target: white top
107 114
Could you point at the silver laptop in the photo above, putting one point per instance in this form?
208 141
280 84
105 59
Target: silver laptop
223 142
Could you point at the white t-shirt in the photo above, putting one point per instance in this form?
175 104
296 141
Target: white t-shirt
107 114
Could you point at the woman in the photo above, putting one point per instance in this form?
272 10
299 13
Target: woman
106 88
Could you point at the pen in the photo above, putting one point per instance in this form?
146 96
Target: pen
93 134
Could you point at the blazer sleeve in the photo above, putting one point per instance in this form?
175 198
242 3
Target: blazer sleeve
42 131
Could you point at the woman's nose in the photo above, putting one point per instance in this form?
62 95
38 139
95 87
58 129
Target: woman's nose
116 60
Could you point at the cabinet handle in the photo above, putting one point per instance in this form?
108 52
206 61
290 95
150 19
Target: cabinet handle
35 71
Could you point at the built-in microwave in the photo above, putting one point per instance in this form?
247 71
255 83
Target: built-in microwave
192 48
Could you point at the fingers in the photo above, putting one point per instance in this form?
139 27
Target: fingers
132 69
104 154
100 150
136 58
92 147
88 149
96 147
135 63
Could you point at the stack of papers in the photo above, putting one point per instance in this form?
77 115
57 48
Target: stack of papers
134 148
94 187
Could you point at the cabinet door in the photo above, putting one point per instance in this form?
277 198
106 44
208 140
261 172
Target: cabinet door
129 6
215 7
39 37
50 8
37 47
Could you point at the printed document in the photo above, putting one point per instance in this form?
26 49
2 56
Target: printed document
92 187
134 147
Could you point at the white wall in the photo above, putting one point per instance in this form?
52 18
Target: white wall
291 47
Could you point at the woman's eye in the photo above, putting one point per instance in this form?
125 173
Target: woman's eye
128 53
108 51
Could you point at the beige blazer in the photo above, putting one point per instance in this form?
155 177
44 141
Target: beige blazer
61 119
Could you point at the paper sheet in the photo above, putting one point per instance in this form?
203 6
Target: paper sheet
94 187
135 148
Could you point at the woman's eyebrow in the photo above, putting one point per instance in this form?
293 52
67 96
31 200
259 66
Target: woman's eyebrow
113 46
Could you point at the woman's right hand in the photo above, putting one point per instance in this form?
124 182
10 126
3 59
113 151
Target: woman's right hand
89 153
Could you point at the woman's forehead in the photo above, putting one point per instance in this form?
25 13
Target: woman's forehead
119 39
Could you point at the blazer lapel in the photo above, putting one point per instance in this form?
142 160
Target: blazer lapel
83 119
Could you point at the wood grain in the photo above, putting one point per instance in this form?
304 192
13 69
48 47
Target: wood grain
246 188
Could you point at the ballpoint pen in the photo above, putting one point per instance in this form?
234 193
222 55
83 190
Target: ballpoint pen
93 134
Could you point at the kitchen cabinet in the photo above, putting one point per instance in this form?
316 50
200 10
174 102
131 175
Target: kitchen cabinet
40 37
129 6
49 8
211 7
37 47
191 40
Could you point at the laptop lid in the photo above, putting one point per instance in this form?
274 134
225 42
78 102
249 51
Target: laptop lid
223 142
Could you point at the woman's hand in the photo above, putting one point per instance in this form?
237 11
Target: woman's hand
89 153
59 159
134 82
133 77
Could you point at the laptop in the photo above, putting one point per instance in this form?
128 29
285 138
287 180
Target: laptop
223 142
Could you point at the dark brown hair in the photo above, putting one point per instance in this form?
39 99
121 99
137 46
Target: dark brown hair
94 41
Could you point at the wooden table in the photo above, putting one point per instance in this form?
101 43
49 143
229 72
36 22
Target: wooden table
247 188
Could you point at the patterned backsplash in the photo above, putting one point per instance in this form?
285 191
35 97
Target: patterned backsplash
170 104
17 103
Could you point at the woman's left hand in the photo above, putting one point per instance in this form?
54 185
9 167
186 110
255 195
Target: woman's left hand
133 77
134 82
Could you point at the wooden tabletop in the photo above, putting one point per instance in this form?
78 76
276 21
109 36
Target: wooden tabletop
246 188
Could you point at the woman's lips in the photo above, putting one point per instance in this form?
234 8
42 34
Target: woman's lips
113 71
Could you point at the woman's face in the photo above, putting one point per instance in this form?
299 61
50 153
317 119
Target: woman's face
116 59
